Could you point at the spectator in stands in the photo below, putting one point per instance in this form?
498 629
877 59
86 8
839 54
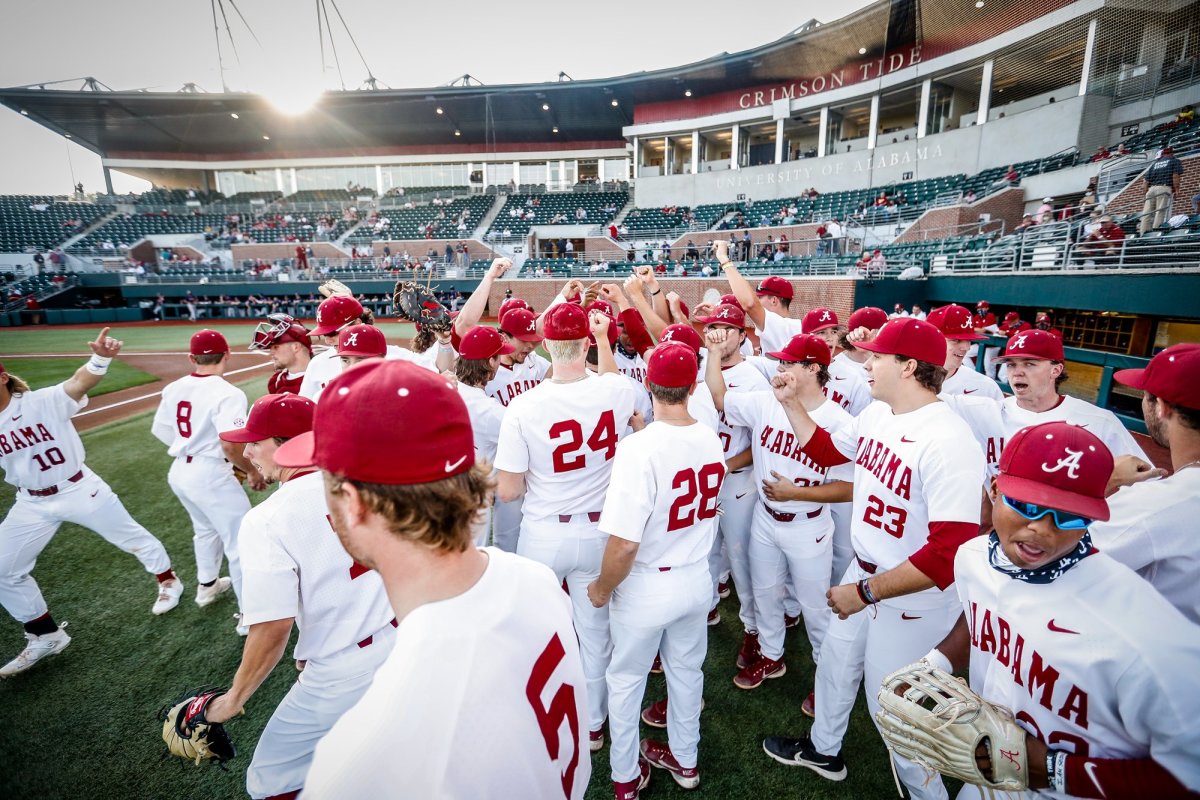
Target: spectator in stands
1102 153
691 253
1027 222
1045 212
878 265
1196 204
834 226
1011 175
822 233
40 260
784 246
898 311
917 312
746 245
1162 180
1186 114
569 250
1105 242
969 197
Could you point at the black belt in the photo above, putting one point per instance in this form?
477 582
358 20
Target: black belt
52 490
784 516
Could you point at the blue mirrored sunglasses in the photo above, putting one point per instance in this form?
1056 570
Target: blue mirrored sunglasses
1063 520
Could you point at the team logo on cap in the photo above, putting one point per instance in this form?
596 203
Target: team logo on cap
1070 462
824 316
725 313
668 336
1019 343
352 340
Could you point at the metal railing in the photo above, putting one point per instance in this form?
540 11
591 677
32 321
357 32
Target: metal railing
1116 173
1169 251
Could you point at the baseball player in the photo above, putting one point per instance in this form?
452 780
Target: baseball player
985 325
660 513
295 571
357 343
1012 325
918 475
1152 524
333 314
290 348
556 446
42 456
955 324
1056 630
192 411
522 369
1044 322
850 357
484 650
479 355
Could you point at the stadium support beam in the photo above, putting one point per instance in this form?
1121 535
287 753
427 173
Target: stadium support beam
923 113
778 141
735 145
695 152
873 133
985 93
823 133
1088 53
108 187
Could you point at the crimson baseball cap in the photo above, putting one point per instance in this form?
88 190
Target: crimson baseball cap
730 300
955 323
361 341
682 333
1057 465
278 329
818 319
482 342
869 317
282 415
565 322
510 304
1011 316
672 365
775 286
1035 344
348 439
983 304
1043 318
601 305
335 313
908 337
1173 375
732 316
520 323
613 332
207 342
804 347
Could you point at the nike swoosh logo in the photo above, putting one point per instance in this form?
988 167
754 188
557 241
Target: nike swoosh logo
17 417
1090 769
732 386
451 467
906 616
740 496
822 538
969 391
1058 629
906 440
95 493
838 378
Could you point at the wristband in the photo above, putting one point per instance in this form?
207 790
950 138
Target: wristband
864 593
1057 776
725 264
936 658
98 365
656 292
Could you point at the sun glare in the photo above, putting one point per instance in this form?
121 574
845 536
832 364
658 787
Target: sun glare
293 98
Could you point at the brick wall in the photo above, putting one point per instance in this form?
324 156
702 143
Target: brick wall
937 223
417 248
270 252
1133 197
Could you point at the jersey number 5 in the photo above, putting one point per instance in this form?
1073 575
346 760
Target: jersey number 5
183 419
561 709
705 485
603 439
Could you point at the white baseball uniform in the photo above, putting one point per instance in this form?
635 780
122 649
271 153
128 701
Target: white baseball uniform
632 366
192 411
485 414
777 331
493 674
294 567
664 495
846 386
1152 531
910 470
562 437
788 537
738 499
1094 662
322 368
41 452
510 381
966 381
1099 421
842 513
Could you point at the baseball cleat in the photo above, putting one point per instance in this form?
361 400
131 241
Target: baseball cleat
765 668
801 753
242 630
656 667
748 653
809 707
629 790
39 647
723 589
207 595
596 740
659 755
714 618
655 714
790 621
169 593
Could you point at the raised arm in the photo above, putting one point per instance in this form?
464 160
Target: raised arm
738 284
605 362
654 323
104 350
714 337
472 310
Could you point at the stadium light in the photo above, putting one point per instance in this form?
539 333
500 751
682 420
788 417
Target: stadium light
545 106
439 110
554 129
687 93
234 115
457 132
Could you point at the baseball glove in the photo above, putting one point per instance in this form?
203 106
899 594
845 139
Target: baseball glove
417 303
189 735
334 288
239 474
931 717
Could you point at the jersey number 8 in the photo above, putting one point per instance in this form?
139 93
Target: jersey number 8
183 419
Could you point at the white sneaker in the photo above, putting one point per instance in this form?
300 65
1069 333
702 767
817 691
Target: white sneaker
38 648
169 593
207 595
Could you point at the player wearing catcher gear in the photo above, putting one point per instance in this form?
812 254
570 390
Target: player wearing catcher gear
42 456
290 348
484 651
1094 664
660 513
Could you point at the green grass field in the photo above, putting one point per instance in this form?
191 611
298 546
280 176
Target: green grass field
49 371
82 724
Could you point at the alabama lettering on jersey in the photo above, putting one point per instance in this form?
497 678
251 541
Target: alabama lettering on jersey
741 378
775 447
663 493
39 447
193 410
563 436
507 672
969 383
512 380
1099 421
847 388
284 382
633 366
293 565
1078 663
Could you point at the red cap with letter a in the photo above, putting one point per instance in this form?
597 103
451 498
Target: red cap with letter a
673 365
908 337
730 300
565 322
510 304
207 342
282 415
613 332
870 317
1173 375
1034 344
336 312
435 442
731 316
955 323
482 342
775 286
520 323
1057 465
684 334
818 319
804 347
362 341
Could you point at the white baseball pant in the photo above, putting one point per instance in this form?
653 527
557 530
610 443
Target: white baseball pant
802 549
843 550
506 525
573 547
736 500
32 521
326 689
872 644
655 612
216 503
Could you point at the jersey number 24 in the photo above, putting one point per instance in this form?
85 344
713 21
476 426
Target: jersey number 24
602 440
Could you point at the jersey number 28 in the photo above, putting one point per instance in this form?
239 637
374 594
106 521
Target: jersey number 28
698 500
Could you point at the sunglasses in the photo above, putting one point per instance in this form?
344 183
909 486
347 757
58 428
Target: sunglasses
1063 520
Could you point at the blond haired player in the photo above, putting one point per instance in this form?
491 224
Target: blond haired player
661 517
295 572
42 456
290 348
1096 666
485 662
918 474
192 411
557 442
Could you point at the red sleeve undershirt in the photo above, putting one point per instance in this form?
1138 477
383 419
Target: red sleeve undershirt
635 329
1122 777
936 558
822 450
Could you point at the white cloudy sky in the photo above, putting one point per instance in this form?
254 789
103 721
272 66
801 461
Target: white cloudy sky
162 44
